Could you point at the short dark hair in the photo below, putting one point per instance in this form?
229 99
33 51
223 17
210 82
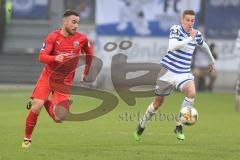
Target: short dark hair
188 12
70 12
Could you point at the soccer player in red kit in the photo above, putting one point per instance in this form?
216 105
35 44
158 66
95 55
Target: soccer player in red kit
59 47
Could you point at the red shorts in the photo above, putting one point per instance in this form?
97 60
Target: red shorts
43 90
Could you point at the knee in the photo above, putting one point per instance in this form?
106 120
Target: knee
37 105
60 114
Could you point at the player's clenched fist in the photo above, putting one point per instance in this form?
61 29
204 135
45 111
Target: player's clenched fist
60 57
193 33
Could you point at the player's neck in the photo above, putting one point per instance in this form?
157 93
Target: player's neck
185 30
64 33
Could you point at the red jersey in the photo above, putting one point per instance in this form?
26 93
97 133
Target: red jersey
73 45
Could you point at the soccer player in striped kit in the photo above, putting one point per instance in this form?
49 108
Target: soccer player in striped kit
175 70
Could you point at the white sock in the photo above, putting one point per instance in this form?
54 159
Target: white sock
147 116
187 102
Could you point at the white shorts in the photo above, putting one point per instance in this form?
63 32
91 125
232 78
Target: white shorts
168 80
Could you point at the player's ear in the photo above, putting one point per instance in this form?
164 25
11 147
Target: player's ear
64 20
181 18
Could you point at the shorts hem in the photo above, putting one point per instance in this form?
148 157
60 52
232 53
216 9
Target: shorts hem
163 95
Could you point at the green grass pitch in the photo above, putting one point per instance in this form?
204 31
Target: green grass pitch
215 136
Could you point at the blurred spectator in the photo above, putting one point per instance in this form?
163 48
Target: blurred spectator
236 49
8 11
2 23
237 96
5 18
86 8
132 12
203 78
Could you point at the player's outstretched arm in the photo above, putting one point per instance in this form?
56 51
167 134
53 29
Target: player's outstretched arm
88 50
209 53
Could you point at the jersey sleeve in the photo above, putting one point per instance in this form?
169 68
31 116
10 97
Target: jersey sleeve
174 33
87 49
45 52
199 38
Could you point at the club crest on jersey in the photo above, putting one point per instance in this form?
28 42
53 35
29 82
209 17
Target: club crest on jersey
76 44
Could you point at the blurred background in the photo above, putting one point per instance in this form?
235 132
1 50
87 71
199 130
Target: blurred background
25 23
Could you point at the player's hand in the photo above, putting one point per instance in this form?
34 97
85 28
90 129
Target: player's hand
211 68
59 58
193 33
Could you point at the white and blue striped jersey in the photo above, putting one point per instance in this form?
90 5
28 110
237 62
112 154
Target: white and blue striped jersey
179 61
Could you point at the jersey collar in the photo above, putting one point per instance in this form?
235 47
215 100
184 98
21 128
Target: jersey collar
184 31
